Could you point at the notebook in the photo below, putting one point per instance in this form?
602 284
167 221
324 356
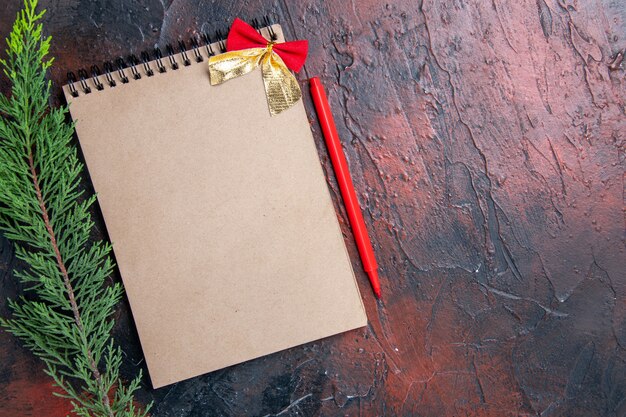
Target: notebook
221 220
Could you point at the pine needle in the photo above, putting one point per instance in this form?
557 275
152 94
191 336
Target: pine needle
67 321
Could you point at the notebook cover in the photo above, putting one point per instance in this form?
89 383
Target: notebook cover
220 217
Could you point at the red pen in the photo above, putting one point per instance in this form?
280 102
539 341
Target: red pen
342 173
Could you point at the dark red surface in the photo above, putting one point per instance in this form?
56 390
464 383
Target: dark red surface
486 142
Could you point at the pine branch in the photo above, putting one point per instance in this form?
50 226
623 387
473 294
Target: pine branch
67 322
68 285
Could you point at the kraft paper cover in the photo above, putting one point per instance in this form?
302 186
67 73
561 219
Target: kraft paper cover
220 217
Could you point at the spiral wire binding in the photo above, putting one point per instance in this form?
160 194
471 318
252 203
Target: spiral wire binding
170 55
82 75
136 67
121 65
221 40
108 68
95 73
145 59
158 55
196 49
71 79
206 38
132 59
183 53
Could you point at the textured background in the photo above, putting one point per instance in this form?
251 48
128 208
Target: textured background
486 141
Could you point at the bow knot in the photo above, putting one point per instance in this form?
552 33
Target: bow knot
247 50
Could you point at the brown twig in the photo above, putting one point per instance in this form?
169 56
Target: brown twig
66 282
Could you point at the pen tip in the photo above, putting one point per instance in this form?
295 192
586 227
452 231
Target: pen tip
373 276
377 292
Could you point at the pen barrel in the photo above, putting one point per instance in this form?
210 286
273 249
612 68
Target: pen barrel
343 176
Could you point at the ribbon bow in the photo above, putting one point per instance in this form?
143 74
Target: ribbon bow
247 49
